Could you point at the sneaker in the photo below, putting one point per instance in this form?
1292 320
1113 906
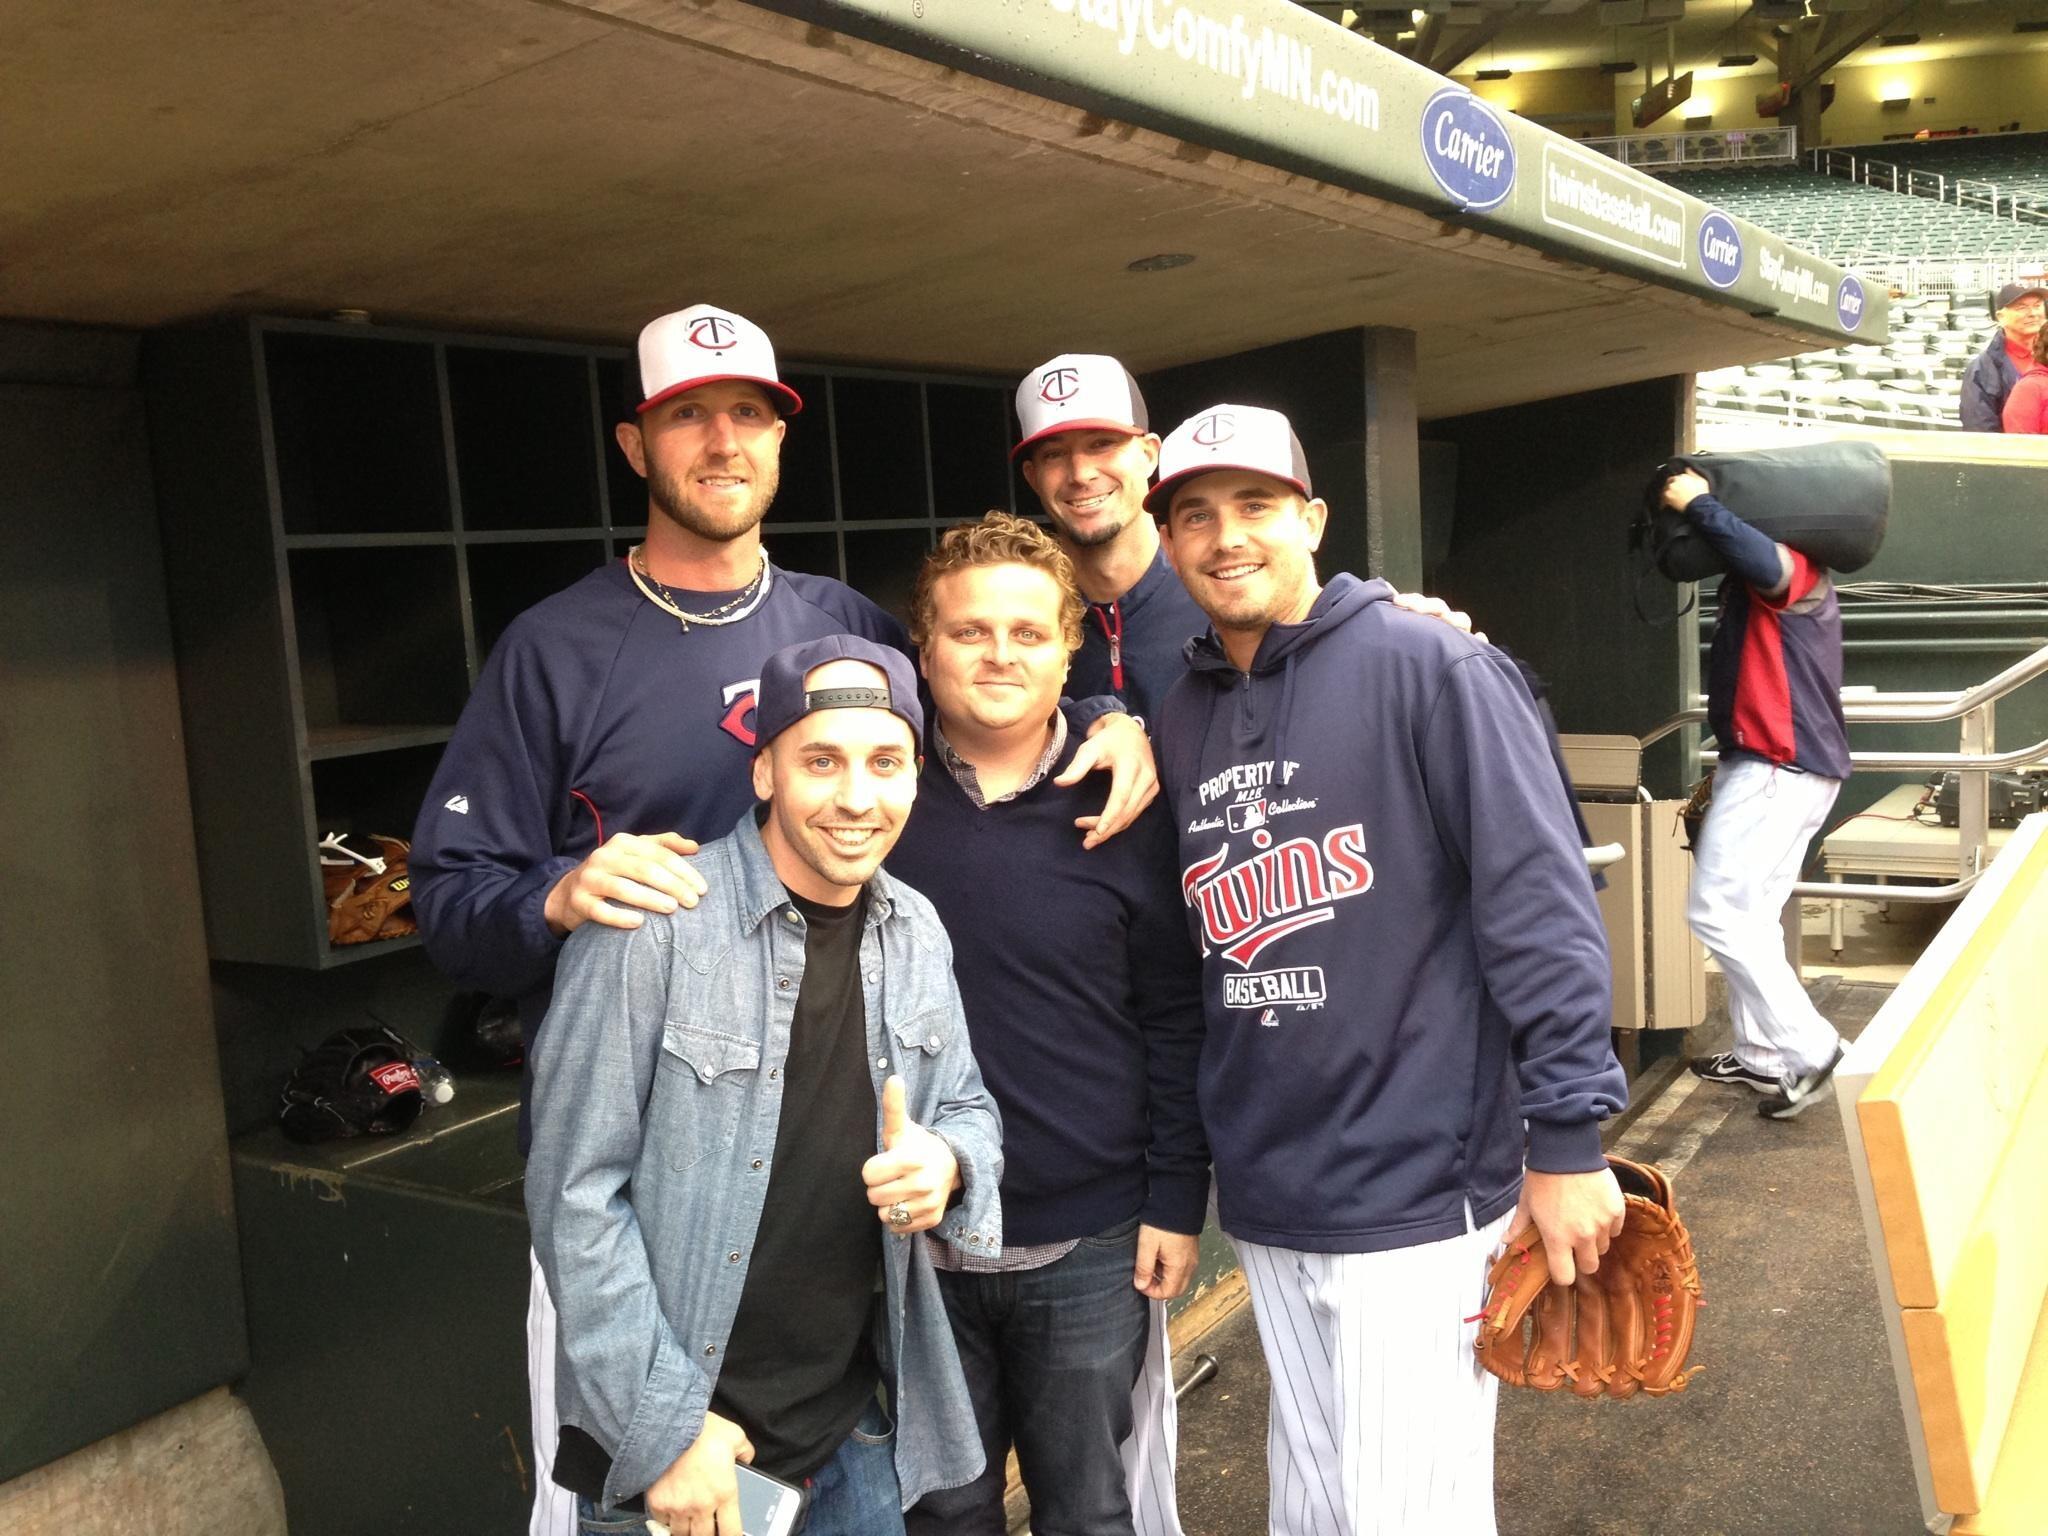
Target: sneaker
1724 1068
1794 1094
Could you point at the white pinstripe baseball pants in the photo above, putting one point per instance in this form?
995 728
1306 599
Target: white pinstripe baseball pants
1382 1420
1148 1455
554 1508
1749 855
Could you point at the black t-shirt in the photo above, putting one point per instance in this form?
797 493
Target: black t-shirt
799 1367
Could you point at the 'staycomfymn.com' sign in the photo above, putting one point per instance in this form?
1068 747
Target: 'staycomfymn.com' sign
1276 83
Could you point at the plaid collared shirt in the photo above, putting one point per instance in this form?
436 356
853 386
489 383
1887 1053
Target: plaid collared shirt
964 774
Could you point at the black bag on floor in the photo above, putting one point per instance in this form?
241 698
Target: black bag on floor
1829 501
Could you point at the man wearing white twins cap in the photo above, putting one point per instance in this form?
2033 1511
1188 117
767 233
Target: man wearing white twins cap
613 726
1405 985
1087 450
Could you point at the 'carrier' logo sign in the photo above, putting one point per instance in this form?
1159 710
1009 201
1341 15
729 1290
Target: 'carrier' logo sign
1467 149
1720 249
1849 302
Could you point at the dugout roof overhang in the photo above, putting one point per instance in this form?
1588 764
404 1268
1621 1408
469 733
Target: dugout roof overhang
962 191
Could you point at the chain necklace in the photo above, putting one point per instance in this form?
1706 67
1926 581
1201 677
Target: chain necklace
728 612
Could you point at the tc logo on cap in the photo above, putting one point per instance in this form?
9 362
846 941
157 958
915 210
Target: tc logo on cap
714 333
1215 428
1058 384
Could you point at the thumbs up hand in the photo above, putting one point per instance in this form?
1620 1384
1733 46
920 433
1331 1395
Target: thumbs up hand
910 1179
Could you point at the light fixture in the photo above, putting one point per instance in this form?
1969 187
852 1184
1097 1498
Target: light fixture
1737 60
1165 261
1618 67
1899 40
1895 91
1696 109
1494 74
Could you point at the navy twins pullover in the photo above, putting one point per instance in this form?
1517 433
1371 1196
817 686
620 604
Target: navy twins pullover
1403 962
1083 1000
1136 647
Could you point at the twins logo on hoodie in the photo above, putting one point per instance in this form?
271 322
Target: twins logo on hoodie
1274 889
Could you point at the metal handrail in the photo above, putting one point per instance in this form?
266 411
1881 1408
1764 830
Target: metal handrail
1974 764
1921 762
1877 708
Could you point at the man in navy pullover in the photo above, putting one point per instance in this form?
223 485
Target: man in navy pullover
1406 985
1083 1000
1774 702
613 725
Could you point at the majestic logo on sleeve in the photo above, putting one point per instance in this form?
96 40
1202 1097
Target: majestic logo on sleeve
738 721
1277 890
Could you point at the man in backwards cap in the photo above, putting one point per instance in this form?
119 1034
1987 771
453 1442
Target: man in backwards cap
745 1110
615 721
1406 986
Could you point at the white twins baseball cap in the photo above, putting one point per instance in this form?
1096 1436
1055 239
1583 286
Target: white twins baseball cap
1078 390
1228 437
703 345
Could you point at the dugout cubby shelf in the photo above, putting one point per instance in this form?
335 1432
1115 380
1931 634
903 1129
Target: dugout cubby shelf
353 514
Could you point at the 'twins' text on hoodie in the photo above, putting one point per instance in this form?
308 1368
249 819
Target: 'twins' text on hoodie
1405 977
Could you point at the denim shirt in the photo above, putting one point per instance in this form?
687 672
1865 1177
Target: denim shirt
656 1100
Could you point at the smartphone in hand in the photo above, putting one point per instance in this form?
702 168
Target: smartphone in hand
768 1505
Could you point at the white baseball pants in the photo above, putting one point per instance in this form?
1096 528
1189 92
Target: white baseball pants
1748 859
554 1508
1382 1420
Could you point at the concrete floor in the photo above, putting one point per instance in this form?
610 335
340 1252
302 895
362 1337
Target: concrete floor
1794 1427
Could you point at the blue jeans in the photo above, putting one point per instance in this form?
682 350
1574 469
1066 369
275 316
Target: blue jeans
1051 1356
853 1494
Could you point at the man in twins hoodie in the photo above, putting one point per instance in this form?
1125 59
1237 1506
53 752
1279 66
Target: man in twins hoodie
1406 987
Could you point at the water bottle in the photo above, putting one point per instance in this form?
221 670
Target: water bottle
437 1083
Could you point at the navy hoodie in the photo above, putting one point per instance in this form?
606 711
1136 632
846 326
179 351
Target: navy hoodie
1402 960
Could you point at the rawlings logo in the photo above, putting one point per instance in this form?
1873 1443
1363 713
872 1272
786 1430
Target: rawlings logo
1275 892
1058 384
738 699
714 333
396 1077
1215 428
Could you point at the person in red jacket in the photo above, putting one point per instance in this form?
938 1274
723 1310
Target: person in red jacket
2026 408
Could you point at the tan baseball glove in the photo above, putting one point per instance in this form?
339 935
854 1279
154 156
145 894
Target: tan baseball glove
1625 1328
368 896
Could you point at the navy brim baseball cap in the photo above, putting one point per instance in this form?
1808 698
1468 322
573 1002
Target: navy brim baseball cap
782 699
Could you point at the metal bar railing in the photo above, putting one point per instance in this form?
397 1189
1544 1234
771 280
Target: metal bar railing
1976 759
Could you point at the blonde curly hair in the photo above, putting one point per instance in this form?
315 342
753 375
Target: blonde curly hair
998 539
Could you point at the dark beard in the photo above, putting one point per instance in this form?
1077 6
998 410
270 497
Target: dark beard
668 496
1095 538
